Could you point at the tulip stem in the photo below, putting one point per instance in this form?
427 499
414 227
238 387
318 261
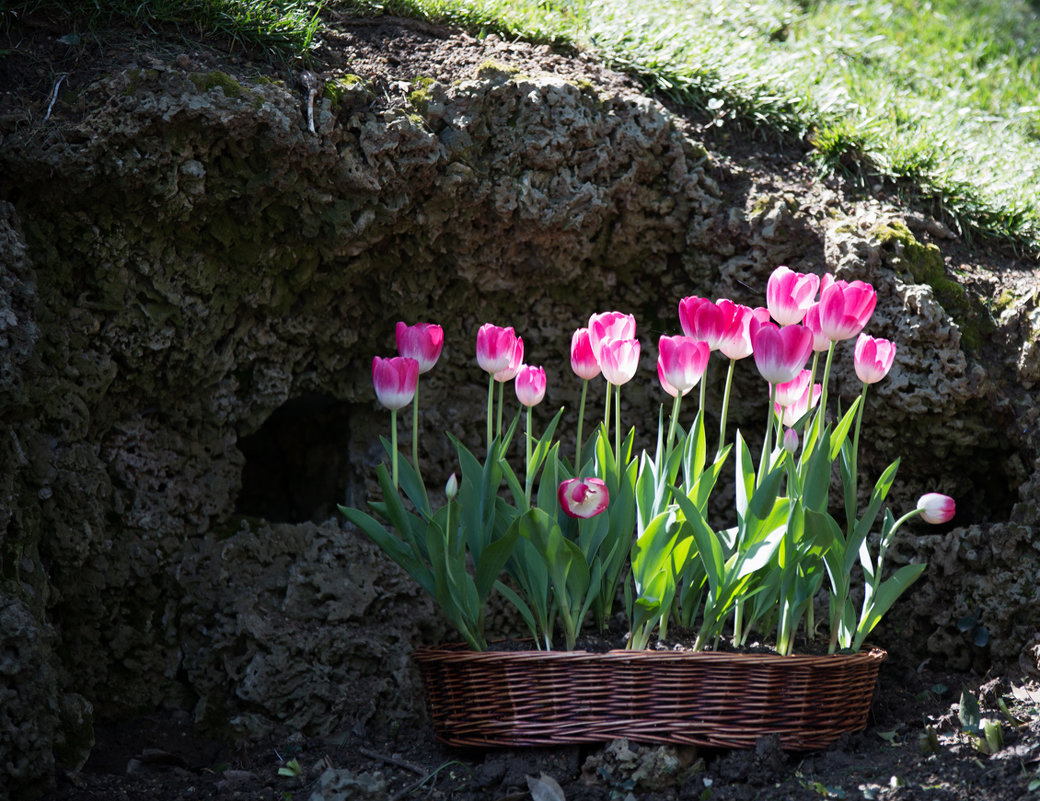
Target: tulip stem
415 430
490 411
617 428
821 414
766 442
725 408
393 445
671 428
528 473
501 404
581 420
606 413
852 495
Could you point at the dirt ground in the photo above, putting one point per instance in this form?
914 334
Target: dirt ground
918 743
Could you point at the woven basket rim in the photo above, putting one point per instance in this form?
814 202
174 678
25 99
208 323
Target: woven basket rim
460 652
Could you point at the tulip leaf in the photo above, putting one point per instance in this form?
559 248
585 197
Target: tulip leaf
841 431
392 546
886 595
745 476
411 482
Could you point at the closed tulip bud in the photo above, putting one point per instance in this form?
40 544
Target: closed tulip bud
608 326
516 360
619 360
873 358
395 380
451 489
583 360
583 497
791 441
701 319
682 362
780 353
789 294
530 385
495 348
736 329
845 308
422 342
936 508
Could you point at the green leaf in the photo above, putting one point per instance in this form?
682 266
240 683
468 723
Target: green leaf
841 431
887 594
969 714
745 476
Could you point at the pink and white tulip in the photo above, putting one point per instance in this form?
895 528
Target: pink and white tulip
789 294
619 359
780 353
495 347
395 380
820 341
583 497
736 329
583 359
516 360
607 326
936 508
422 342
873 358
530 385
681 362
701 319
845 308
791 413
791 391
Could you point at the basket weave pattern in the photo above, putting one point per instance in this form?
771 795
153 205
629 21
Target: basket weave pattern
706 698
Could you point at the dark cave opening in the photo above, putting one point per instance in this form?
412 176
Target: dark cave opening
296 464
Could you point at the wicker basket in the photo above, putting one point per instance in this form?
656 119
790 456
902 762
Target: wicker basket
497 698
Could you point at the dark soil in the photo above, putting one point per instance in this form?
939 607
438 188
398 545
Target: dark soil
915 745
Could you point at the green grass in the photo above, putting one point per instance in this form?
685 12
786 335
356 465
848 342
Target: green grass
942 96
282 28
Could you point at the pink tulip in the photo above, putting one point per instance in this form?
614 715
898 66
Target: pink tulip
583 497
936 508
495 348
791 441
873 358
664 382
789 294
845 308
516 361
790 391
795 411
820 341
681 362
422 342
736 329
701 319
608 326
583 360
395 380
530 385
780 353
761 313
619 359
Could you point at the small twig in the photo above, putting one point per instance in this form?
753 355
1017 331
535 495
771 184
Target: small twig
393 760
54 96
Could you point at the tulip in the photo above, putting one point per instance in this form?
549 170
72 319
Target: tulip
495 347
500 352
796 410
422 342
791 441
791 391
608 326
530 385
701 319
873 358
585 366
936 508
736 334
583 497
780 353
664 382
845 308
583 360
395 381
619 359
682 361
789 294
530 389
820 341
